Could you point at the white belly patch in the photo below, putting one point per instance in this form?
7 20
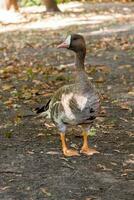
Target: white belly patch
81 101
65 100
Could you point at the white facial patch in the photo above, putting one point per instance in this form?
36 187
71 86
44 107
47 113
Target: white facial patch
81 101
65 100
68 40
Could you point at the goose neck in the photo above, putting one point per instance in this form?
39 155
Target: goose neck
79 60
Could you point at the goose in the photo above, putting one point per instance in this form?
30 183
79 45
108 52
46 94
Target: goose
76 104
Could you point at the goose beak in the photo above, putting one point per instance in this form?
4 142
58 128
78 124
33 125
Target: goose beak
66 43
63 45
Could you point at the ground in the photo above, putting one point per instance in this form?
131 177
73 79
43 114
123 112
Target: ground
32 165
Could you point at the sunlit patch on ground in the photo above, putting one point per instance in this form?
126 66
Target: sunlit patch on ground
35 18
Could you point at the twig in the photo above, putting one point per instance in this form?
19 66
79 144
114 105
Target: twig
10 172
68 166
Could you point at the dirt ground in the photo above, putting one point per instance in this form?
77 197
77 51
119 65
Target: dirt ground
32 166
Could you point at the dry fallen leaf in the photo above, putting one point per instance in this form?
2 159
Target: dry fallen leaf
50 125
53 153
45 191
4 188
41 135
30 152
124 66
100 80
104 69
125 106
9 102
104 167
7 87
131 92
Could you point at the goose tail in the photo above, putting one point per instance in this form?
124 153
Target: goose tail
43 111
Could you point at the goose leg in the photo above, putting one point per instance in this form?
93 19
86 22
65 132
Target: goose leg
85 148
66 151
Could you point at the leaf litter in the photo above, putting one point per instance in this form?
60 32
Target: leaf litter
31 69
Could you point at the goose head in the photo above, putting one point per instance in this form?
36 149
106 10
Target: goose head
74 42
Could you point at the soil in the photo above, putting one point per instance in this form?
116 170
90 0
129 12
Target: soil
32 165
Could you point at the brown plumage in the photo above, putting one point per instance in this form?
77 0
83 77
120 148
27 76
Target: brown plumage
75 104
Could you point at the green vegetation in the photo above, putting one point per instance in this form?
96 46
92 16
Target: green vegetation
30 2
37 2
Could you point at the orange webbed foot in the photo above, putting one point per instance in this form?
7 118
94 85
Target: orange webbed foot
70 152
88 151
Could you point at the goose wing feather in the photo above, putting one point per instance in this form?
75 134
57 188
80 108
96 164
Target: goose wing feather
69 107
